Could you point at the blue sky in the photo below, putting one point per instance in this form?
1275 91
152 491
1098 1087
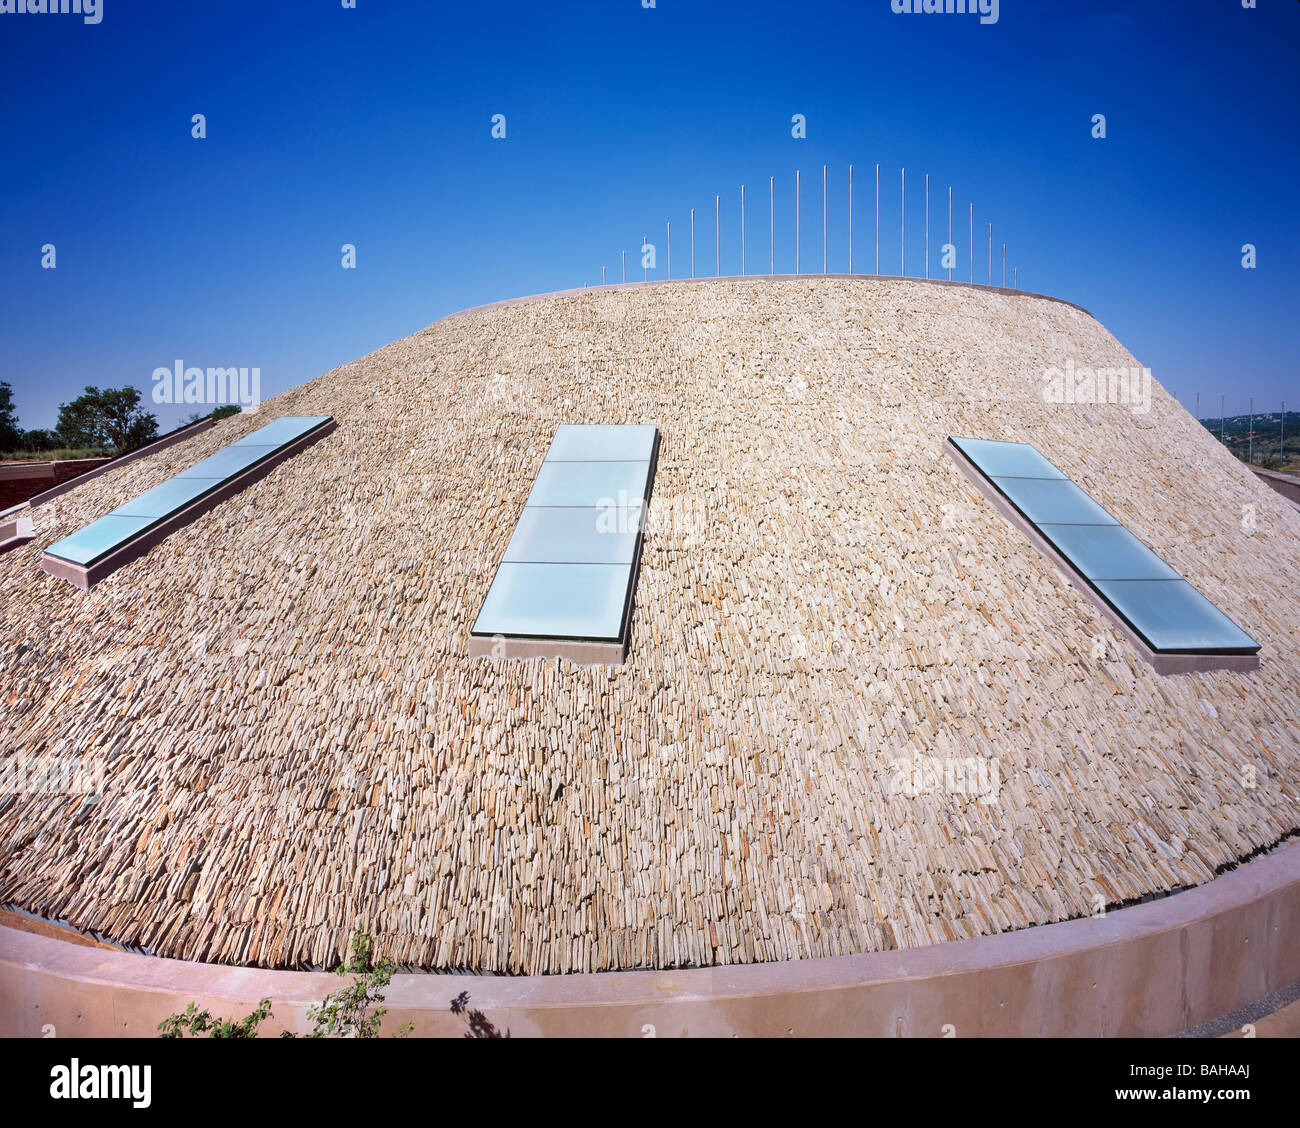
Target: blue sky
372 126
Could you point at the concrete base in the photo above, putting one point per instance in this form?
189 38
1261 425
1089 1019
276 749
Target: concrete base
1161 968
16 531
85 576
1164 663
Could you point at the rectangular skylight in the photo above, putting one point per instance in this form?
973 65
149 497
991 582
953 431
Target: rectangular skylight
135 526
1176 627
565 585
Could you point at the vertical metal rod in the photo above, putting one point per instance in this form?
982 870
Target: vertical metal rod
1250 435
823 219
771 225
670 250
1015 278
602 276
972 242
1004 266
1220 418
850 219
624 254
927 225
990 254
796 221
692 242
1281 454
950 226
902 230
644 271
877 219
717 235
742 230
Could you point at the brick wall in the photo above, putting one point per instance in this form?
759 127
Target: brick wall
21 480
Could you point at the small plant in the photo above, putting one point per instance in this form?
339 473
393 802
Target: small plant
350 1012
200 1023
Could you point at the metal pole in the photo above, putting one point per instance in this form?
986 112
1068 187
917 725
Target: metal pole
743 268
1004 266
823 219
624 254
927 225
902 230
1220 418
670 250
950 226
1015 278
990 254
602 276
717 235
771 225
644 272
850 219
877 219
1250 435
796 221
692 242
1281 454
972 242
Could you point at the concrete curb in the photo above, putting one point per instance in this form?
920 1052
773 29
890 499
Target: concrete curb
1160 968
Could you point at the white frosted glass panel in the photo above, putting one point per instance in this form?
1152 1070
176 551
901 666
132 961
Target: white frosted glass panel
165 499
1047 502
1006 460
98 538
601 442
578 601
282 430
1173 615
227 463
589 484
575 536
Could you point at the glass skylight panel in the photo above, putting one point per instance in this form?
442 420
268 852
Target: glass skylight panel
283 430
1107 552
228 462
590 484
165 499
561 601
1165 611
1173 615
1007 460
122 533
564 586
100 537
1048 501
547 535
601 442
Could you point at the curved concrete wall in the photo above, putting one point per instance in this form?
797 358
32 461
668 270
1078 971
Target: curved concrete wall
1153 969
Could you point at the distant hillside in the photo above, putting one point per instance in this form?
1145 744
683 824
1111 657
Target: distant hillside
1267 445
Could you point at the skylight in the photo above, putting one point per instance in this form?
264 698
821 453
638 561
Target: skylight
93 552
1175 627
564 587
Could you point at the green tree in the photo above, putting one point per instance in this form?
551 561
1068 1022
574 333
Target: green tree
108 417
11 435
39 440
